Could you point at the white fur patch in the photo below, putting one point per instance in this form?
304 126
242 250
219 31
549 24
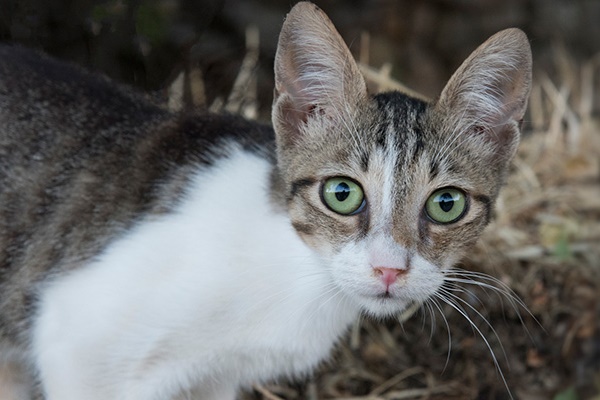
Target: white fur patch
220 294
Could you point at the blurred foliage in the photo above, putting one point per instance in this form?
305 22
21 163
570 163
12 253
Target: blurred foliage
569 394
144 42
152 23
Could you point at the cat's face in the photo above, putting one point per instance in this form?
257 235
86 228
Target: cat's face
381 191
391 191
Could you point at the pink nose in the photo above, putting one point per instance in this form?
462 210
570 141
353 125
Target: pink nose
388 275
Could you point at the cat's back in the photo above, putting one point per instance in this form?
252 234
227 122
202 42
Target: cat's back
48 104
32 75
83 159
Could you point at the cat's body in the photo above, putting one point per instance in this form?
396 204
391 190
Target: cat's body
148 255
140 214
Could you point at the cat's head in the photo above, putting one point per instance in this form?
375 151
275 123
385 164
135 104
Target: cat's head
391 191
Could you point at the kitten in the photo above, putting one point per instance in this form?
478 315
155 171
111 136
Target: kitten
148 255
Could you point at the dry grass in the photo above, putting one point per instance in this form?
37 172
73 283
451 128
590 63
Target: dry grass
543 245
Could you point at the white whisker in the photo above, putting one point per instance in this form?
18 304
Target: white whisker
439 308
480 315
457 275
474 326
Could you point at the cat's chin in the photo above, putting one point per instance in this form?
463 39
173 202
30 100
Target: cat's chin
385 306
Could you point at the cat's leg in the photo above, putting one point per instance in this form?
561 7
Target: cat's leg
72 370
62 376
93 346
73 343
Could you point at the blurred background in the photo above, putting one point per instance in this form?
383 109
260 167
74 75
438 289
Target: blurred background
544 243
144 42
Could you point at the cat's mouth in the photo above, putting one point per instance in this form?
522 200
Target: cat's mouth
385 296
384 304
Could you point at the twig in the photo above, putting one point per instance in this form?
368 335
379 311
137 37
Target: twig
242 99
266 394
384 81
396 379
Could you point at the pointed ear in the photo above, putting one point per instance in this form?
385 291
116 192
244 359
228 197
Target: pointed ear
487 96
316 76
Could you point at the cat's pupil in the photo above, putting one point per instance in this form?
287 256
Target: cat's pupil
446 202
342 191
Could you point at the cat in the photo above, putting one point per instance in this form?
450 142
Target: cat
150 255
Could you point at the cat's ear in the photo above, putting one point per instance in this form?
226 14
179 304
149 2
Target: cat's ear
315 73
487 96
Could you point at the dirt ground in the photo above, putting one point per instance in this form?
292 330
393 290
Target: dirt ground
531 329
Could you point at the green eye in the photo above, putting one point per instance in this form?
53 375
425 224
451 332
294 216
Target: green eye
446 205
343 195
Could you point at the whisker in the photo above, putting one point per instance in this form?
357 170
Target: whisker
331 293
439 308
480 315
461 311
476 278
430 311
463 277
